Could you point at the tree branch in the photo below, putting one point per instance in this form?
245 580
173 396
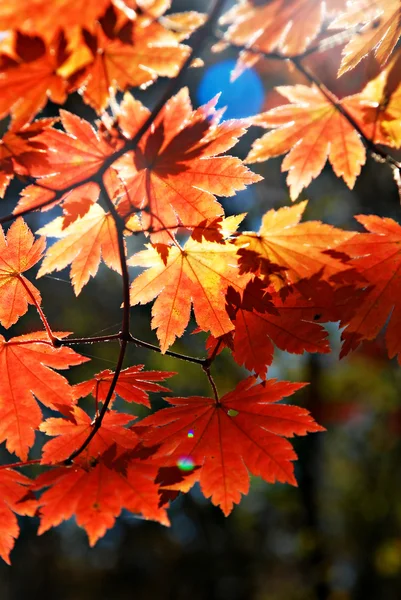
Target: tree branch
206 369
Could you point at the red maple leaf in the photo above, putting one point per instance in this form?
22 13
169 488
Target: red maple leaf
26 364
71 156
243 431
96 496
15 498
132 385
377 257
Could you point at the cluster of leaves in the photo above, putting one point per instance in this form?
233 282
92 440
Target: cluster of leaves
156 174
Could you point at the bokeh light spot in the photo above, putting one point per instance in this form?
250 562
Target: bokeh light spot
185 463
243 97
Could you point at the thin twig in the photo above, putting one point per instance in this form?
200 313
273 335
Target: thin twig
22 463
184 357
90 340
326 44
98 421
133 340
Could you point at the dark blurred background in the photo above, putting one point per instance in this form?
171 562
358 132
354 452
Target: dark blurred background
338 535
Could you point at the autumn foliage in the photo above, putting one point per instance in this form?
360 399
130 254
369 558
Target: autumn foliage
161 175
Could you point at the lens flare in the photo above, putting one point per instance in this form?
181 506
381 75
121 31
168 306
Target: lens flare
185 463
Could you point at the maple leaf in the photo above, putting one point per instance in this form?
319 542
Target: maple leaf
204 270
256 333
17 149
97 496
283 25
35 75
132 385
377 257
177 168
183 23
381 31
75 203
19 252
312 130
15 498
136 60
71 434
26 364
73 155
46 17
319 300
298 248
377 109
244 431
287 26
82 245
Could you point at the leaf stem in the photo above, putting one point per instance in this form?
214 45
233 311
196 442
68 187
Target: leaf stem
42 315
22 463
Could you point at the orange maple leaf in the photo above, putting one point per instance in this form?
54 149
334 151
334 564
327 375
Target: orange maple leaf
19 252
377 257
132 385
18 149
26 364
97 496
377 108
15 498
204 270
82 245
311 129
177 168
381 31
46 17
244 431
286 26
299 248
73 155
33 76
137 58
